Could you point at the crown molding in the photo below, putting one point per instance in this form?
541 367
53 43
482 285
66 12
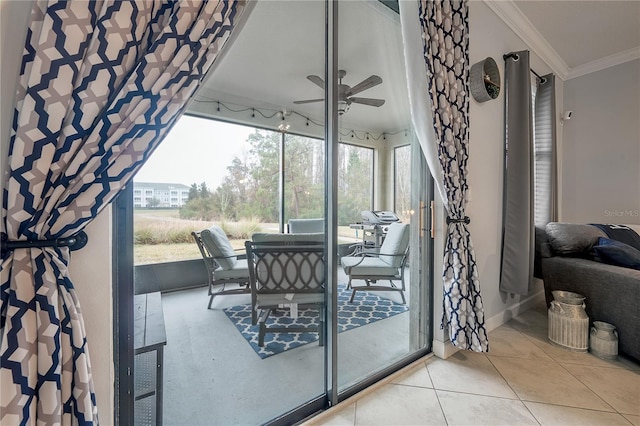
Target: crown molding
520 24
606 62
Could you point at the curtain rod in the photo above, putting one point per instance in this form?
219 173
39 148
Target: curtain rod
516 57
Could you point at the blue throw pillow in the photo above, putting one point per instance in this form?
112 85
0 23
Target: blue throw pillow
617 253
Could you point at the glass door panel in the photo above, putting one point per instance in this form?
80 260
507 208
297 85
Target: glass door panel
242 139
379 321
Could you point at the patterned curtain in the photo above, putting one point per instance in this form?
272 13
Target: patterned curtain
101 84
445 27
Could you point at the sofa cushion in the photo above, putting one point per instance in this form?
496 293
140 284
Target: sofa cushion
617 253
572 238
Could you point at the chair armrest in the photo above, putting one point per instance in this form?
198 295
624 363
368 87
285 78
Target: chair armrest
392 254
228 257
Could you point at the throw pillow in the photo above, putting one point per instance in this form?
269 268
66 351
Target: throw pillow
572 238
622 233
617 253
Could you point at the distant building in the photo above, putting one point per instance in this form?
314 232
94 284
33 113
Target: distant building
159 195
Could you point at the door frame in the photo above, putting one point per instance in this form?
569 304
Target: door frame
123 288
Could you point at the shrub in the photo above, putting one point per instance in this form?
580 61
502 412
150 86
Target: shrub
241 230
143 236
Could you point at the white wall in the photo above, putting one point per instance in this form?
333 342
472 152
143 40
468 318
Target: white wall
90 268
601 150
592 98
490 37
91 274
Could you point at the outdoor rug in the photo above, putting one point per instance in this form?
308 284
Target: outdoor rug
367 308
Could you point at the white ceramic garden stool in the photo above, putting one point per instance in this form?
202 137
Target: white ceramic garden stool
603 341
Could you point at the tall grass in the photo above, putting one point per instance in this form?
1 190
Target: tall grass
149 230
161 236
242 229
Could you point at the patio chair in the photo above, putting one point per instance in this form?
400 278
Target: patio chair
223 265
388 264
286 269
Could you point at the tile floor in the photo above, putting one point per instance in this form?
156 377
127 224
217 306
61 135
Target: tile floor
523 380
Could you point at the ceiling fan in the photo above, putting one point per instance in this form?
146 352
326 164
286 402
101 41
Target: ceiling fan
345 92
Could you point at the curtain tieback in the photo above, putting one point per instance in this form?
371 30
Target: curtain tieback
465 220
74 242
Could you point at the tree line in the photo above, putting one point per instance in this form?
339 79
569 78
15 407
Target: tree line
250 188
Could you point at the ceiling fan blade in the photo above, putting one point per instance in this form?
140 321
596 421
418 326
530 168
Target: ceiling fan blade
365 84
308 101
316 80
368 101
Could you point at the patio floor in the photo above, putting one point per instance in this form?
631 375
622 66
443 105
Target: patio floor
212 375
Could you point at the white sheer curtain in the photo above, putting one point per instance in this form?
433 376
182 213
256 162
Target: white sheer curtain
419 102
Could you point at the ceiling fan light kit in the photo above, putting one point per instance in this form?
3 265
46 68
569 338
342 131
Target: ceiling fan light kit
484 79
346 93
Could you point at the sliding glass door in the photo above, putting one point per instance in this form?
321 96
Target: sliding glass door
292 126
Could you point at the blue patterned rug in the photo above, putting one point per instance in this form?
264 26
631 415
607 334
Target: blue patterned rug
367 308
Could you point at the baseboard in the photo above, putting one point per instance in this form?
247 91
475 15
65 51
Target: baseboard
514 310
444 350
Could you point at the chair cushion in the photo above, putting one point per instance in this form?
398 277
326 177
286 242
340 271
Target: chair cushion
219 246
395 242
356 265
239 270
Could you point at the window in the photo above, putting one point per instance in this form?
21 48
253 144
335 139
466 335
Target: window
355 182
242 190
543 115
303 177
402 182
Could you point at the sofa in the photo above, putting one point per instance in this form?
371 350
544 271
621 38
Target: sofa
571 259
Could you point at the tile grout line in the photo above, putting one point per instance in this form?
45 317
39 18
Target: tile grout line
444 415
511 387
572 375
589 387
435 391
371 389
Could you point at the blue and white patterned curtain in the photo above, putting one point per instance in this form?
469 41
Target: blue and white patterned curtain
445 29
101 84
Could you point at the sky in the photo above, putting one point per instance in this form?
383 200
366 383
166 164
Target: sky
196 150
